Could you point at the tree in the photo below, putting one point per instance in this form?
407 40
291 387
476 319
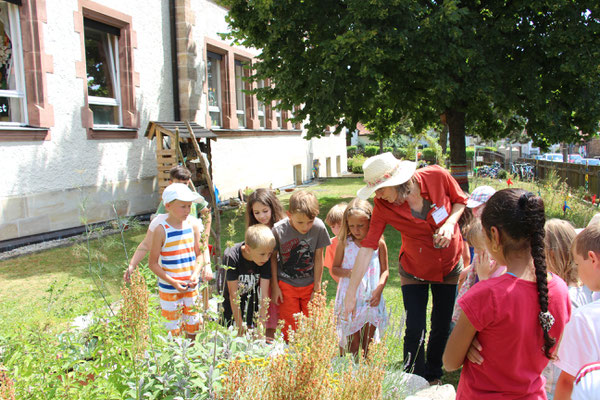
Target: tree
473 64
384 124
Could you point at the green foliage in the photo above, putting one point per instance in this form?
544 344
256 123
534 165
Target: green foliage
370 151
355 164
350 151
470 153
428 154
387 149
400 153
502 174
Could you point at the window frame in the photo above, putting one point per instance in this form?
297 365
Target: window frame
240 109
219 89
262 107
128 78
20 91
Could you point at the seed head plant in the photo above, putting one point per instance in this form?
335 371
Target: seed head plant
134 313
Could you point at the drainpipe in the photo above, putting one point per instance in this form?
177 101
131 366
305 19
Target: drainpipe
174 64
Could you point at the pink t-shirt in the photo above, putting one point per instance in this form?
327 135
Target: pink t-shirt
504 311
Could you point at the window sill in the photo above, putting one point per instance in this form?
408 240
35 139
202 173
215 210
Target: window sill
112 133
23 134
256 132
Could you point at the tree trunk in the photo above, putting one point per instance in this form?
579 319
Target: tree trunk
444 138
458 152
380 145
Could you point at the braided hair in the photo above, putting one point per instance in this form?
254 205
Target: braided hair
520 215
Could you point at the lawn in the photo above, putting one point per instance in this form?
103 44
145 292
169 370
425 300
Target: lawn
51 288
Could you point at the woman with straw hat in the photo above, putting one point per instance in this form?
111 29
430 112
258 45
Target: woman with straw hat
424 206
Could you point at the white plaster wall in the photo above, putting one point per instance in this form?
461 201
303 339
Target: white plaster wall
69 159
54 175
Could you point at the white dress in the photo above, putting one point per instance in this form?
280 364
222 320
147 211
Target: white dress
376 316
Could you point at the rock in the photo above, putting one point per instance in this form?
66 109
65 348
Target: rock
436 392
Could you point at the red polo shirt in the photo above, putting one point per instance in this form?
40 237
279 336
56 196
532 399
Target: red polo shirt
417 254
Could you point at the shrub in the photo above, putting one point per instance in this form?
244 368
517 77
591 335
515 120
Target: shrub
355 164
351 151
400 152
470 152
388 149
429 154
502 174
370 151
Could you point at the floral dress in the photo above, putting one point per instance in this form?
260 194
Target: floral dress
376 316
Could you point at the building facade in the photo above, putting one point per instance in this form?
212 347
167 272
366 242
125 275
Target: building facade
80 81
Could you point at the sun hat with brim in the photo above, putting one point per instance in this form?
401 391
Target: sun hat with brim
480 195
179 191
385 170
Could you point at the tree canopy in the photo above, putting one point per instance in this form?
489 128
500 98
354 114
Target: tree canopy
487 68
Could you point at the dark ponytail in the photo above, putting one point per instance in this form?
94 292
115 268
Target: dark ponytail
520 215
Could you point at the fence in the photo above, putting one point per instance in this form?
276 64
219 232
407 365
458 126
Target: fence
573 174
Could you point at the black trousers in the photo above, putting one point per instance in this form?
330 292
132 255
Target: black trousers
415 297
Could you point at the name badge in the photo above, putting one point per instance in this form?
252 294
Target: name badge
439 214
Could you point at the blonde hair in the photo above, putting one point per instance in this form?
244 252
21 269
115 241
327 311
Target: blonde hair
357 207
474 234
335 215
259 236
558 240
304 202
587 240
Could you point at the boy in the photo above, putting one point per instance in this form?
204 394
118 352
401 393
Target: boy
300 238
249 271
177 174
334 219
580 344
173 253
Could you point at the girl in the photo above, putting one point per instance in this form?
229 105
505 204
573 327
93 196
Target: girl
263 207
559 237
370 317
517 317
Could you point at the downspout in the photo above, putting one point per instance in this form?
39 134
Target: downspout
174 64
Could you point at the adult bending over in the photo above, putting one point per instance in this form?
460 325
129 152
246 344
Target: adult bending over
424 206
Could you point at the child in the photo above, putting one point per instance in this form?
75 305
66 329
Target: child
558 241
517 317
334 220
301 238
249 271
177 174
580 343
173 259
370 318
263 207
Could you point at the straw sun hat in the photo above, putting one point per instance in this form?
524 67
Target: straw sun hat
385 170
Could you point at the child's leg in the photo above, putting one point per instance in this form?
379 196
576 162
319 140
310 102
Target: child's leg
191 318
366 334
354 343
272 318
171 305
305 293
289 307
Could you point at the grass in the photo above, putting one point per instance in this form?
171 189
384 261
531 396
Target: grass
50 288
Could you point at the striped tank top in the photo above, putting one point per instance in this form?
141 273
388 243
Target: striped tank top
177 255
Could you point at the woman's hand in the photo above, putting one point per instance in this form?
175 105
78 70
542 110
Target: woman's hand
444 234
376 296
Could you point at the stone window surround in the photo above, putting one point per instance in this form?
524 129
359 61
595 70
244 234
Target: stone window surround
32 17
129 78
228 107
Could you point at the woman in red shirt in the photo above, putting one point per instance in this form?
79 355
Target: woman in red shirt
424 206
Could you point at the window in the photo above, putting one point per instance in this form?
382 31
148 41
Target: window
13 105
261 107
278 116
213 67
240 96
102 69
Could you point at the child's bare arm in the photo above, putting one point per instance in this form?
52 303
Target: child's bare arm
318 269
384 274
275 291
158 239
458 344
141 251
564 386
235 305
337 269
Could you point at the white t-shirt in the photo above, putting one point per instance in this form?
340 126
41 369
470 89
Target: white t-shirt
580 343
157 220
587 383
